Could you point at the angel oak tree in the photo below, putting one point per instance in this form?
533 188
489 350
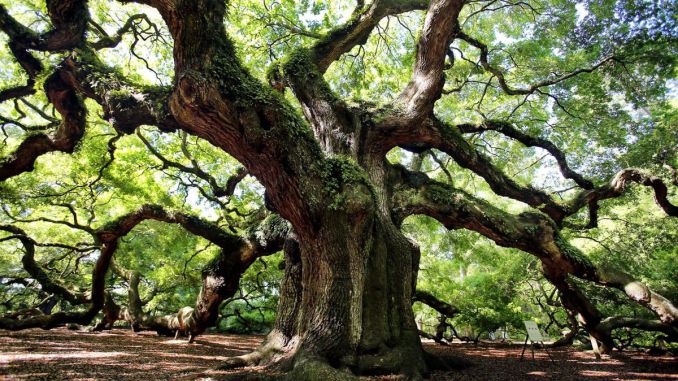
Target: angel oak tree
350 274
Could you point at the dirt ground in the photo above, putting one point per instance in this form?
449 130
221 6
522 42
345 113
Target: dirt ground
61 354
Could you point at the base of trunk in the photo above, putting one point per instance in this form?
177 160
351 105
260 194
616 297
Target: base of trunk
283 359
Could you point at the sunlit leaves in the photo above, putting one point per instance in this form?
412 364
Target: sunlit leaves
622 114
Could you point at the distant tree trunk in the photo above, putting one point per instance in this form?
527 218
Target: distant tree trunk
134 312
220 280
111 314
47 305
440 329
568 337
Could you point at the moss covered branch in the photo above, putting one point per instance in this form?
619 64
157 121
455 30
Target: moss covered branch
358 28
532 232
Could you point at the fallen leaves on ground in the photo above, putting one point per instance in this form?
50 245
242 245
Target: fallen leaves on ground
61 354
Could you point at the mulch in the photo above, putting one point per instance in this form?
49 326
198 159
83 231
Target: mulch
60 354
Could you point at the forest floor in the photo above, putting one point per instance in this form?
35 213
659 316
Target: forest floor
60 354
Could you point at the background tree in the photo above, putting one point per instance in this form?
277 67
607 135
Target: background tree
357 104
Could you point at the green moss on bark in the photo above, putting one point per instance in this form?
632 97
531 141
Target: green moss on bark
343 181
572 253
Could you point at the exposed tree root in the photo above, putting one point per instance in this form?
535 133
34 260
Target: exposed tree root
278 354
274 350
406 360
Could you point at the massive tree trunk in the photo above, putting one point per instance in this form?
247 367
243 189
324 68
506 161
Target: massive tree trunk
346 299
369 270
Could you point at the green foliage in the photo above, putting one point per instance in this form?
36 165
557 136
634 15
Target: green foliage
483 281
252 309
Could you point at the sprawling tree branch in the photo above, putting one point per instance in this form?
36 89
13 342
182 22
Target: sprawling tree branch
616 186
218 100
441 306
573 299
426 85
97 299
334 123
356 30
220 278
217 190
119 227
38 273
437 134
511 131
69 21
126 105
108 41
484 62
531 232
107 236
31 65
222 275
616 322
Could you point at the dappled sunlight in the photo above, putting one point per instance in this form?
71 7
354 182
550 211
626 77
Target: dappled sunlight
118 354
597 373
213 374
187 356
654 376
178 342
34 375
502 362
124 355
4 359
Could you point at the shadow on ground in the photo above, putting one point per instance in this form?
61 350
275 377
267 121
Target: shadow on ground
502 362
61 354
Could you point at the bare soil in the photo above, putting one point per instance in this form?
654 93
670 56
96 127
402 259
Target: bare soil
60 354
